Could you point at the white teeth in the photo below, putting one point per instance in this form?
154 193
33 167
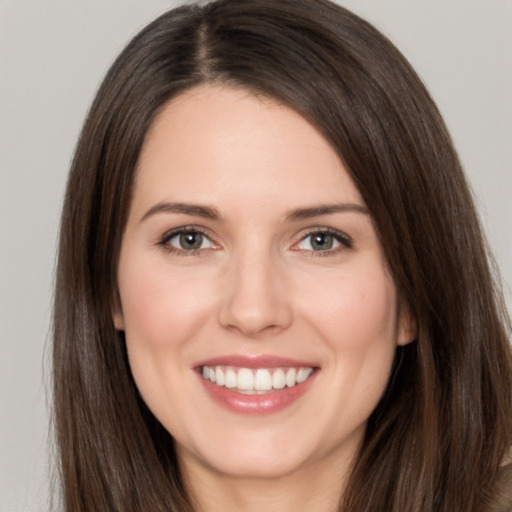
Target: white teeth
219 377
245 379
278 379
290 377
230 380
262 380
257 381
303 374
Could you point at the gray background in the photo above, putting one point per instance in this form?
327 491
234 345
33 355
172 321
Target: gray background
53 54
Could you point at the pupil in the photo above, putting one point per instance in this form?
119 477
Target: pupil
322 241
191 240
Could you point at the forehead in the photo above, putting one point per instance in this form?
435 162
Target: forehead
221 142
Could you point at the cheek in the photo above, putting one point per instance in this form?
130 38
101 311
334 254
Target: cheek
355 309
163 310
161 306
356 319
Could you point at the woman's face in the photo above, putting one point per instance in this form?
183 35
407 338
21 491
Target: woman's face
249 259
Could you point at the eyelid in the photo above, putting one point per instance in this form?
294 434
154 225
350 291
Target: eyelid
163 240
344 240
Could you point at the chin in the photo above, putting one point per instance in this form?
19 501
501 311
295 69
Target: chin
258 467
256 456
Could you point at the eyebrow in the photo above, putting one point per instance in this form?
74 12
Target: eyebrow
317 211
208 212
196 210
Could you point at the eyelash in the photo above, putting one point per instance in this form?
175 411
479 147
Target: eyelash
169 235
344 241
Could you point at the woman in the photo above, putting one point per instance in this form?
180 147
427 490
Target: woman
272 289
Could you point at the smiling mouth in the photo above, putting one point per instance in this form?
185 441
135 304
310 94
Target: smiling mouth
255 381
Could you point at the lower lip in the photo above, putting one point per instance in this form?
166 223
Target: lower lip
268 403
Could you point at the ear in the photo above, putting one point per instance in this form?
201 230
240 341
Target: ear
117 318
407 326
117 314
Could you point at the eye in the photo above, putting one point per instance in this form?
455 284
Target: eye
186 240
323 241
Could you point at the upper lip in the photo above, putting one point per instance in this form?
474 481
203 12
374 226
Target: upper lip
260 361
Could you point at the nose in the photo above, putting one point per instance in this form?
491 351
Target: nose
255 300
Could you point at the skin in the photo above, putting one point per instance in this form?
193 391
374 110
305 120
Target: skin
255 287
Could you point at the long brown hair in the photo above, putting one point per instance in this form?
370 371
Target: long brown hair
437 438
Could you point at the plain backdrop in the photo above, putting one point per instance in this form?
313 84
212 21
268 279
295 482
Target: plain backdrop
53 53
